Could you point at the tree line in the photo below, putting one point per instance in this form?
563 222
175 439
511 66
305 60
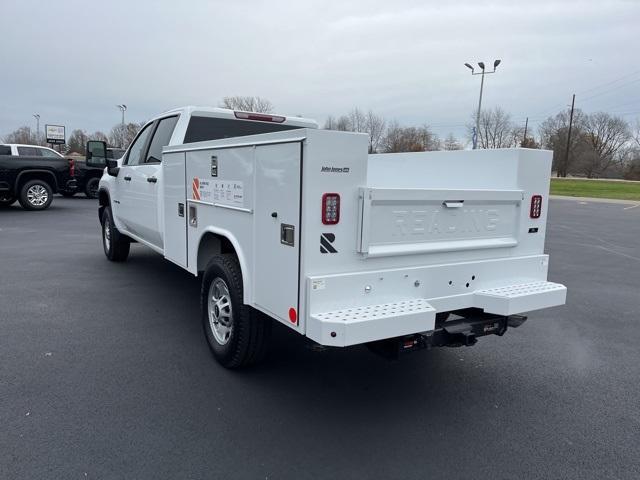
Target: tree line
600 144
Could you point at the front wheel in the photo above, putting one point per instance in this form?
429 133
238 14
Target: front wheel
36 195
115 244
91 188
237 334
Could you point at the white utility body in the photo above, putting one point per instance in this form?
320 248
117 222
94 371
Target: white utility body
346 247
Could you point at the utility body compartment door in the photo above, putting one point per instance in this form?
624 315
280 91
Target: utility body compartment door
277 229
175 208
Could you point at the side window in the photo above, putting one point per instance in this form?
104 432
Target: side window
47 153
5 150
137 147
28 152
161 139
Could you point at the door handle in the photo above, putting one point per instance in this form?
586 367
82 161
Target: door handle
128 179
453 203
152 179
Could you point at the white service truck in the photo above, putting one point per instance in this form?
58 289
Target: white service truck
288 222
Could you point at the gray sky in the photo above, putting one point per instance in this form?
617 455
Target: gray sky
73 61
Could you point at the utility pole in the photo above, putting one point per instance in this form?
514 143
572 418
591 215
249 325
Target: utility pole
37 117
566 155
524 140
481 65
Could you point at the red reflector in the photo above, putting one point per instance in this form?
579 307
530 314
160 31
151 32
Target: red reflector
330 208
536 206
259 116
72 168
293 316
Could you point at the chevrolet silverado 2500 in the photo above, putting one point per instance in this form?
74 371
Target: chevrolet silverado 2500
286 222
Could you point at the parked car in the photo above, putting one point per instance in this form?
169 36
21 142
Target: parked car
33 179
88 177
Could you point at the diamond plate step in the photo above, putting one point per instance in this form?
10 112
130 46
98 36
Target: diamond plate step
519 298
373 322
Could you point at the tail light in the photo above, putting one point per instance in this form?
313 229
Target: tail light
330 208
536 206
259 116
72 167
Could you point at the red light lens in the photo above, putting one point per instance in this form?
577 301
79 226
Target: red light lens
330 208
72 168
536 206
259 116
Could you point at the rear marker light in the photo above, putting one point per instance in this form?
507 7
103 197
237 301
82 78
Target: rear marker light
536 206
330 208
259 116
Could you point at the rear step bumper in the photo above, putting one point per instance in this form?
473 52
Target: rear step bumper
454 333
364 324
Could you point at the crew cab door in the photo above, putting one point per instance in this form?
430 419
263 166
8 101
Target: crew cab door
142 193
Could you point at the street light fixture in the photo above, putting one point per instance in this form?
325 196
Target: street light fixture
123 108
482 67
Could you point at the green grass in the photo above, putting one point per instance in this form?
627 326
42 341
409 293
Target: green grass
596 188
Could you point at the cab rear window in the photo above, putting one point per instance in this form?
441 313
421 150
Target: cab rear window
5 150
201 129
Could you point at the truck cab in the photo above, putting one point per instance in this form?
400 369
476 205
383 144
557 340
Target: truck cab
135 184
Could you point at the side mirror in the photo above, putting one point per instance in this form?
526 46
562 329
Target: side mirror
112 167
96 153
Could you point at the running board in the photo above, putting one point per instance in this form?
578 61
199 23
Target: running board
520 298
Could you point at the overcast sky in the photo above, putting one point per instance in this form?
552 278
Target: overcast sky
73 61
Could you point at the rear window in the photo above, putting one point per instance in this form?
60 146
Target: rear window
5 150
209 128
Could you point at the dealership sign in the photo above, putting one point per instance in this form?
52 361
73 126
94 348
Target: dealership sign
55 134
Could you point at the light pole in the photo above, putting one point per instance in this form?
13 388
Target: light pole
123 108
481 65
37 117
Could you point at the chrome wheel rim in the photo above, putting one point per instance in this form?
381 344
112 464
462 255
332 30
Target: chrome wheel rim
106 234
220 313
37 195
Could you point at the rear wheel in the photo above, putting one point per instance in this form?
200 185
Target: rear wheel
91 188
36 195
237 334
116 245
6 200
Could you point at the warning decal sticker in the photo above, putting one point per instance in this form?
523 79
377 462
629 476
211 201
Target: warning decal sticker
228 192
195 189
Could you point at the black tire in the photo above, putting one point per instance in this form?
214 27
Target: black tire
91 187
67 193
115 244
250 331
36 195
6 200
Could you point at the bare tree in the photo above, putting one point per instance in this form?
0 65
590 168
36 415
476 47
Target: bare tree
409 139
604 138
22 135
77 141
553 136
247 104
357 121
375 127
99 136
122 135
451 143
496 129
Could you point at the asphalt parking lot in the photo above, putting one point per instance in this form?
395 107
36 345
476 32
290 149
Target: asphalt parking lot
105 373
